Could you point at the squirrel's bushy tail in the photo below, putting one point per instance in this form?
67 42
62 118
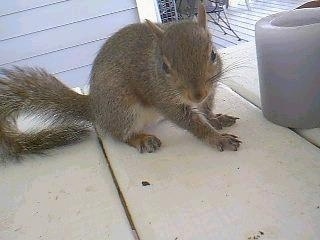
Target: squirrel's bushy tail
34 92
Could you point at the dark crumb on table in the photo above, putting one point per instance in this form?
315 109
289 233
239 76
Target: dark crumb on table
145 183
256 236
176 238
17 229
318 207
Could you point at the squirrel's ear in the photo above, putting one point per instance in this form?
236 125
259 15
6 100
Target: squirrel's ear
202 19
157 31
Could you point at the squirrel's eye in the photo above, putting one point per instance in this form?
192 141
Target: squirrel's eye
165 68
213 56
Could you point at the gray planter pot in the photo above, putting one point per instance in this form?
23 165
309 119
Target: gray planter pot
288 55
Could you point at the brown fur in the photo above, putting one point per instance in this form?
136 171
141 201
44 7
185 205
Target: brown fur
144 142
34 92
129 88
311 4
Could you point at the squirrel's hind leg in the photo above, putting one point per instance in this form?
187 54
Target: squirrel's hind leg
144 142
138 139
126 123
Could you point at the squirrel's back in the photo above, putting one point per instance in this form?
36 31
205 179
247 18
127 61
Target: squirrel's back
127 52
119 69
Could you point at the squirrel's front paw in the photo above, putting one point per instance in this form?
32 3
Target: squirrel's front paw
225 140
220 120
145 143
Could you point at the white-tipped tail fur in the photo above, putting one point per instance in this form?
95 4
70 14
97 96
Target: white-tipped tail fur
34 92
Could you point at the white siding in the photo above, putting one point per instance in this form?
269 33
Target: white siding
61 36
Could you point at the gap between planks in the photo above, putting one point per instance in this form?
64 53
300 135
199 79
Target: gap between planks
121 197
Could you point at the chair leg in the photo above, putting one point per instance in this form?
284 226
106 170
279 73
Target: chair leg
248 5
221 20
228 26
223 23
217 23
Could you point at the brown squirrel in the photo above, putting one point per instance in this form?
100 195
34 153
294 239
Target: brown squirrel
142 72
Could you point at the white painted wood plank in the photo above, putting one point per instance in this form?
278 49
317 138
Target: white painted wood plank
148 10
270 185
242 20
67 36
277 5
243 15
76 78
256 9
312 135
14 6
216 30
220 40
287 4
259 8
67 195
270 7
244 80
65 59
245 25
238 10
39 19
237 28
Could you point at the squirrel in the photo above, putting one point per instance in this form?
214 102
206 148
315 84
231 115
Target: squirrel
142 72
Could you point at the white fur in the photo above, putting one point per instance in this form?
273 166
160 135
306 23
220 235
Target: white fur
145 117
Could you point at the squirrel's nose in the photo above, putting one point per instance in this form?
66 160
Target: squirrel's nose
199 96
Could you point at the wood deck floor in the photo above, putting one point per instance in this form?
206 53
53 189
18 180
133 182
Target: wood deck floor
243 20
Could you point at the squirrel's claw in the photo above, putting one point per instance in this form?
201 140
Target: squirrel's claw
227 140
220 120
149 144
144 142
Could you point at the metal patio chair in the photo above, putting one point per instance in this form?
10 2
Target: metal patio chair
218 16
186 9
